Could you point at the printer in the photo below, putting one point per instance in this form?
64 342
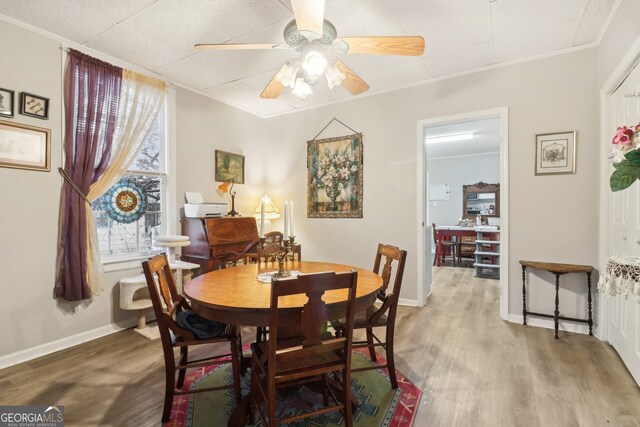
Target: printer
196 207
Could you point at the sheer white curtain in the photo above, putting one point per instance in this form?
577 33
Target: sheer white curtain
141 98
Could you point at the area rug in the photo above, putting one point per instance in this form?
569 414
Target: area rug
379 404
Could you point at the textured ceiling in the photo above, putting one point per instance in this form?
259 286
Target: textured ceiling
460 35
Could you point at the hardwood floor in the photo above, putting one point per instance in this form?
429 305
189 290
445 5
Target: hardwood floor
474 369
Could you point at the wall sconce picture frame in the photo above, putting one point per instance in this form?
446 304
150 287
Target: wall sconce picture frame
334 177
6 103
556 153
25 147
229 166
34 106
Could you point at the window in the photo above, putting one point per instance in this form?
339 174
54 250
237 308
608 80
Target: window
125 230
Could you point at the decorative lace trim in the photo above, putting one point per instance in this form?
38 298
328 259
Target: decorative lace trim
621 276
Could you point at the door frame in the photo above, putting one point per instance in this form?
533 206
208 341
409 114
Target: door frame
617 76
424 247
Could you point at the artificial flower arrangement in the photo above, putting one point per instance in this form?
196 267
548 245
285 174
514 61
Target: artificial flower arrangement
625 158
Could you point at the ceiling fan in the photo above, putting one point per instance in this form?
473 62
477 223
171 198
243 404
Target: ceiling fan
316 39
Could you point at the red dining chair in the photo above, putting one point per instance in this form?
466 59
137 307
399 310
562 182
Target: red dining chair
444 247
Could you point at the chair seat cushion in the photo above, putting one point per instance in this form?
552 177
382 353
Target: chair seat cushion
200 327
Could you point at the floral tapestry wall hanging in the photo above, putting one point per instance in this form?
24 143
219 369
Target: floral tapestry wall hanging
334 177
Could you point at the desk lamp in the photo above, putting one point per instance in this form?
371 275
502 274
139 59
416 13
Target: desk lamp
227 187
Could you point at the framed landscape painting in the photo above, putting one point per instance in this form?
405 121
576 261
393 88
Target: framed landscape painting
555 153
229 166
334 177
25 147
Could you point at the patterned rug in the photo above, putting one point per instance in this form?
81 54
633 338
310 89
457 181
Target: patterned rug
379 404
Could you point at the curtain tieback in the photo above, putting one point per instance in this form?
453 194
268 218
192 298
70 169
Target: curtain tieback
72 184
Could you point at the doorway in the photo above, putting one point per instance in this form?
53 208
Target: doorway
456 140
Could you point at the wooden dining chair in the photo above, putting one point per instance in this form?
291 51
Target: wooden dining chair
443 247
310 357
161 285
255 252
384 315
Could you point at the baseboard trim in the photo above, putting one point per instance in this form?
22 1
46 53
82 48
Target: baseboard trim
408 302
542 322
57 345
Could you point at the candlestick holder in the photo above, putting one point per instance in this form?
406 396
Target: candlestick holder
281 254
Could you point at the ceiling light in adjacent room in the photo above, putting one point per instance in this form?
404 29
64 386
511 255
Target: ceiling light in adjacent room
450 138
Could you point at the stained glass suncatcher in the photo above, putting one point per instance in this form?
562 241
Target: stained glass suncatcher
125 202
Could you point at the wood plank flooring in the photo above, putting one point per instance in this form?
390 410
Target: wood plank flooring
474 369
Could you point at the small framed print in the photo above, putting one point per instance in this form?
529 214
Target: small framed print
556 153
34 106
6 103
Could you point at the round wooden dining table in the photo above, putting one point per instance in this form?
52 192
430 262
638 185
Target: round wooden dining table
234 295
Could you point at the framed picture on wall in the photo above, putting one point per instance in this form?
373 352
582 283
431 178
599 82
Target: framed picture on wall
6 103
555 153
334 177
34 106
25 147
229 166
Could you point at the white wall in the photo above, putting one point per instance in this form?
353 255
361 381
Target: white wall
459 171
203 126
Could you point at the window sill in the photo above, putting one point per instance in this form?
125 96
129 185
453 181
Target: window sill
126 262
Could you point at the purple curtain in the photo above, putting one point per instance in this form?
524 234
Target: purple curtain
91 93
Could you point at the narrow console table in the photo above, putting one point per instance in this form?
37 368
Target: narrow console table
557 270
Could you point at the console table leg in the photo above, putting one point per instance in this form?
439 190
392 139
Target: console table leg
556 312
524 297
589 302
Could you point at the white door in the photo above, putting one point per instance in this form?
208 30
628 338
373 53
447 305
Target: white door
623 315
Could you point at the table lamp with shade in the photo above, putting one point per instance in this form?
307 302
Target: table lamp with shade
267 210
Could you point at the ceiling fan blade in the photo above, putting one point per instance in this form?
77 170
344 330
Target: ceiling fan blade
353 83
238 46
309 16
274 87
381 45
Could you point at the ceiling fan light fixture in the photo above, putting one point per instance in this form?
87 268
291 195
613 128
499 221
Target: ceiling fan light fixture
334 77
301 89
314 63
288 76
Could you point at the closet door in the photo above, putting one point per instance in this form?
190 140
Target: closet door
623 315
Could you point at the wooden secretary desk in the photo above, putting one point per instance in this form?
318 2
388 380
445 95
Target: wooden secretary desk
213 238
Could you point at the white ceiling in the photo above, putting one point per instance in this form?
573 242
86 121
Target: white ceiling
486 140
461 35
